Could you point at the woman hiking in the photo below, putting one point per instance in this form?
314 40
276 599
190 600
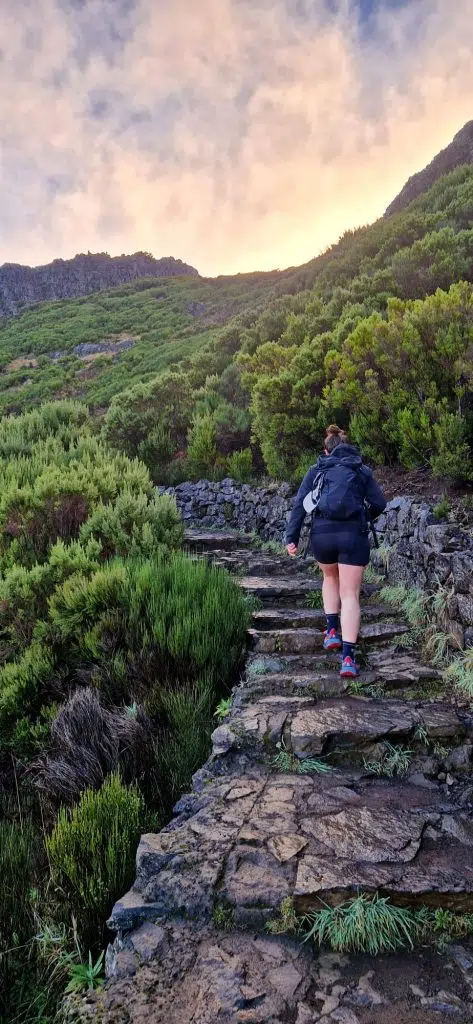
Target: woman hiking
342 494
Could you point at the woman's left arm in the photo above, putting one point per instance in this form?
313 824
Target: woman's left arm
298 513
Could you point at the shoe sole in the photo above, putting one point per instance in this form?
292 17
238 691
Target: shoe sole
332 647
349 675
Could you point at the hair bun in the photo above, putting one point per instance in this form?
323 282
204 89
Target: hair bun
334 431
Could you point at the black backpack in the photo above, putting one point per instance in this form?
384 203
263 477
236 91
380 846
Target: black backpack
338 490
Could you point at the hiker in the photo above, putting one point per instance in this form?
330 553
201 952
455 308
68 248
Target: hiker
343 497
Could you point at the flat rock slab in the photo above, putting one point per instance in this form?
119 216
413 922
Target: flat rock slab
396 668
251 842
292 683
260 563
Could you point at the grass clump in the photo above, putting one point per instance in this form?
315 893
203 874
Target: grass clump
371 576
364 924
223 708
287 923
223 916
412 601
285 761
444 926
395 761
314 599
460 672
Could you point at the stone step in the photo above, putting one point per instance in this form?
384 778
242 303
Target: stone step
251 840
281 588
216 540
287 591
262 563
297 683
309 728
298 641
307 618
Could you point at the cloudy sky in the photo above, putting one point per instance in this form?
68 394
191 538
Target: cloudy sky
234 134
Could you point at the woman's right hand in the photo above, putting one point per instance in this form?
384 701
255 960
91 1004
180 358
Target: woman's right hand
291 550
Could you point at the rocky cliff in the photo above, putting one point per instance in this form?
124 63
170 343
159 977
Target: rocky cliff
85 273
459 152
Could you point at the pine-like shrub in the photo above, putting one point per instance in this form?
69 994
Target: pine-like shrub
135 525
50 494
240 465
146 624
453 458
92 850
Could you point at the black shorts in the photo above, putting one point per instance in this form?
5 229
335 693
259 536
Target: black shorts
331 543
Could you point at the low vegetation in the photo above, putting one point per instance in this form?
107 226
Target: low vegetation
370 923
286 761
115 648
394 761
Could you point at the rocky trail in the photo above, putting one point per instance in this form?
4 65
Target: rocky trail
317 789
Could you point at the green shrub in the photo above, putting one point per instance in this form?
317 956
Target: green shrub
240 465
143 624
442 509
136 414
92 850
24 687
135 525
454 458
202 447
50 495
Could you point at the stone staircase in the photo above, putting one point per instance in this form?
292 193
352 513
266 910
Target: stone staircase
330 825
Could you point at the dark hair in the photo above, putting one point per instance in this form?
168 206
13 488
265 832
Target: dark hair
333 437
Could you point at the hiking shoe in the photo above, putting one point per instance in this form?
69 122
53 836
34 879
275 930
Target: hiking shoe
348 669
332 641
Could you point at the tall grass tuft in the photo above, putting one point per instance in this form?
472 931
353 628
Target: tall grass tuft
364 924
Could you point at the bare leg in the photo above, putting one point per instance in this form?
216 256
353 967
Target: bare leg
350 583
330 589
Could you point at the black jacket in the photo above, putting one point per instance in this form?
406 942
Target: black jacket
373 494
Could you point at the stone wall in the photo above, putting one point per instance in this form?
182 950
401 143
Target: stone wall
425 552
239 506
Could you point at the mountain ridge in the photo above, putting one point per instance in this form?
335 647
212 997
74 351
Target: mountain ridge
86 273
458 152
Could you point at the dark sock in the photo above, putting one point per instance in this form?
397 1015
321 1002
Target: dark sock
348 650
332 622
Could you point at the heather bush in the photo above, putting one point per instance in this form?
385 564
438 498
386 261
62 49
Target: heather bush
454 456
49 495
240 465
92 851
135 525
142 624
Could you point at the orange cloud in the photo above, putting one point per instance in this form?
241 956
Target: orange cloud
232 134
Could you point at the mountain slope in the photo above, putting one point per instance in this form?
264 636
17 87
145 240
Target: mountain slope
21 287
459 152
